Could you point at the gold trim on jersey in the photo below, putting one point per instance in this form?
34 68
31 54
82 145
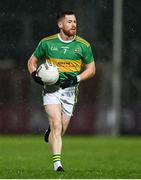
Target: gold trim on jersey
77 38
67 65
50 37
83 41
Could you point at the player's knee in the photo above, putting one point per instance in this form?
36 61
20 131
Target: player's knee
56 126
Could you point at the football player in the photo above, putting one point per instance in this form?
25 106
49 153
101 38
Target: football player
74 58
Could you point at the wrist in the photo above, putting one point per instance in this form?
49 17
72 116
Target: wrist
33 74
78 78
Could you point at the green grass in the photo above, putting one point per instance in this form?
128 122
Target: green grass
83 157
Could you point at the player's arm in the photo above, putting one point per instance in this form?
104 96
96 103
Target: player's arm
88 72
32 66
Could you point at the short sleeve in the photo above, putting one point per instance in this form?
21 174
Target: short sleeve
88 55
40 50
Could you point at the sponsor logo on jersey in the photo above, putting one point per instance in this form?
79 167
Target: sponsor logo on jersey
54 48
67 65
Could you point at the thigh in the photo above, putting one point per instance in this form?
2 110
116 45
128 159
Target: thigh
52 106
53 112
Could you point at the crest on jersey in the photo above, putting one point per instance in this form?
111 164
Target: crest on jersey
77 51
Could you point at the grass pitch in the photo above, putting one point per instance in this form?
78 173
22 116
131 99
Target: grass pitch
83 157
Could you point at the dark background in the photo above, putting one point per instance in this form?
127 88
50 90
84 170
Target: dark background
24 23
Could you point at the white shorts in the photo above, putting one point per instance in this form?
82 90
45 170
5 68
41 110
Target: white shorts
66 97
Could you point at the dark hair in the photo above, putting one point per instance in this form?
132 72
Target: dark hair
63 13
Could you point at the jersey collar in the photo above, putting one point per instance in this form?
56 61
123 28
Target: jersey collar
66 41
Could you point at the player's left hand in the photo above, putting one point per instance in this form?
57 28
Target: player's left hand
69 81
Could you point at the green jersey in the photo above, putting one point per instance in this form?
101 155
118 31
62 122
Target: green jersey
68 56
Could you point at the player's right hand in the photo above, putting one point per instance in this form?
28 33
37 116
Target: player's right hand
36 78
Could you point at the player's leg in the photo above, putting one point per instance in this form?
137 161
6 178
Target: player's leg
46 135
54 116
65 122
55 140
68 100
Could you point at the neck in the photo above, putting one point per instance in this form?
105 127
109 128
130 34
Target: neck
65 37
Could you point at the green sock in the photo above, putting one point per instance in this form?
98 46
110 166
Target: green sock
56 161
56 157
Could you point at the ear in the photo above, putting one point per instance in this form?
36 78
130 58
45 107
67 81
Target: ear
60 25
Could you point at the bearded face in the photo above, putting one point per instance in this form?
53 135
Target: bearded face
68 25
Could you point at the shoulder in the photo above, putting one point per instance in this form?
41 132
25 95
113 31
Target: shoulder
82 41
49 38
